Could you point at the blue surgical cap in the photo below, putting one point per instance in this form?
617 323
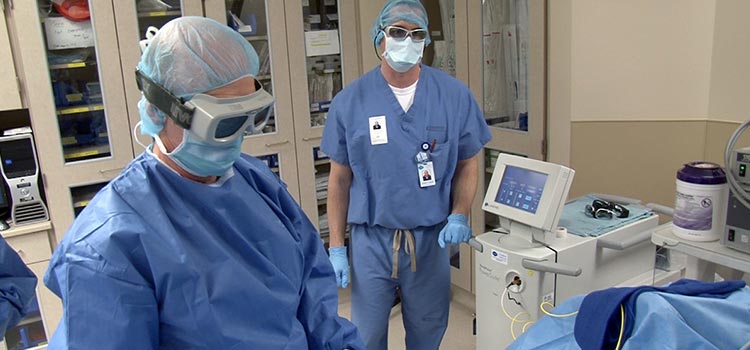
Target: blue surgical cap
393 11
192 55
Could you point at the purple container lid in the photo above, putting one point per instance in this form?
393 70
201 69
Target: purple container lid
704 173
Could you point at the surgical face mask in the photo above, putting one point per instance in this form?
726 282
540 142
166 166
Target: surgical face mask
200 158
403 54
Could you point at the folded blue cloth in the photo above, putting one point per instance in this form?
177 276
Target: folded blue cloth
574 218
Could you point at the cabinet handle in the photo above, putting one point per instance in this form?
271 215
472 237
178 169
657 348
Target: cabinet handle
312 138
20 252
104 171
273 144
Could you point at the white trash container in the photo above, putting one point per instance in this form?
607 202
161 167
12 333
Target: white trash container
701 201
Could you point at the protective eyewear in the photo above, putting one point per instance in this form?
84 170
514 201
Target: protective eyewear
213 120
400 33
601 209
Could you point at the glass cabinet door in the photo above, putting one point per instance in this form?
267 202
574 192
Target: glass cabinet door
263 24
507 55
249 19
76 82
322 56
441 53
136 21
74 91
82 195
505 39
511 39
322 42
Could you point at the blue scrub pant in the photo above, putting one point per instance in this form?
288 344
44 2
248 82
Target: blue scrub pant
425 294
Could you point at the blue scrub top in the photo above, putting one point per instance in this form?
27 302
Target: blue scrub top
157 261
17 287
385 188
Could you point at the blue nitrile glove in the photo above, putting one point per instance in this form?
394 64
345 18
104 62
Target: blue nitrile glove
455 231
340 263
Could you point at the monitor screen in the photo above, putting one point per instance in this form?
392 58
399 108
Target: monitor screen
528 191
521 188
17 158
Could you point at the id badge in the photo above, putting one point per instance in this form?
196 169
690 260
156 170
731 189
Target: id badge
378 130
426 174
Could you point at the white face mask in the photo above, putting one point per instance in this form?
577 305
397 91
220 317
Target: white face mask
404 54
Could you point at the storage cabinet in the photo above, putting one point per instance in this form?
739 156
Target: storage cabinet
322 37
507 76
133 20
31 242
10 94
263 24
75 99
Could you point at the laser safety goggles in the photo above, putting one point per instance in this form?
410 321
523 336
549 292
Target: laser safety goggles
601 209
213 120
400 33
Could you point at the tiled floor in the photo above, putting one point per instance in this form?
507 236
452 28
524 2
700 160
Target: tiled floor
459 335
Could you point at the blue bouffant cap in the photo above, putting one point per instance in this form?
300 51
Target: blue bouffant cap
192 55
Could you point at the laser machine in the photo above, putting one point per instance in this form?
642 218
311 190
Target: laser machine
527 261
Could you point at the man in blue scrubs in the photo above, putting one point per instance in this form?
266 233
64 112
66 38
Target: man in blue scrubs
400 220
195 245
17 287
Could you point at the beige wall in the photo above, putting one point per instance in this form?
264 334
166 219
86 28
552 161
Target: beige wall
645 87
633 159
559 81
730 76
640 59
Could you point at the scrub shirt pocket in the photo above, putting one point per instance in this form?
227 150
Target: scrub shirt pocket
438 133
441 158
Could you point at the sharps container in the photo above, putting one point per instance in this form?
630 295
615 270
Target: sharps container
700 206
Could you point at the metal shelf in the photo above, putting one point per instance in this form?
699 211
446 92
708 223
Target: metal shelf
85 152
151 14
80 109
72 65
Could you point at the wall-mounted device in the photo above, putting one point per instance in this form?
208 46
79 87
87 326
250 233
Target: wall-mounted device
21 173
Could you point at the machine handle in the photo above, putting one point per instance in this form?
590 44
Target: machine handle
546 266
661 209
625 244
475 244
617 199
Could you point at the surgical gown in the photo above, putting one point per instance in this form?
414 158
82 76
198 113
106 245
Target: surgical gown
385 195
17 287
157 261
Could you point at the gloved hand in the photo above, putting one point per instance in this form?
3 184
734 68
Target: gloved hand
455 231
340 263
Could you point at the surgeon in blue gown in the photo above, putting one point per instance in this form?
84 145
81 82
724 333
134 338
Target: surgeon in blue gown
17 287
193 245
382 133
